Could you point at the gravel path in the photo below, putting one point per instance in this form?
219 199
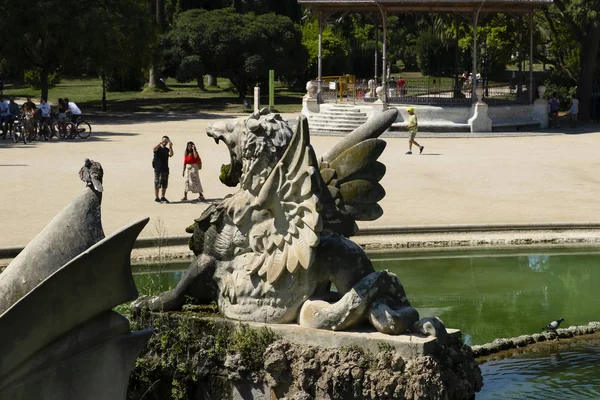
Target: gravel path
522 179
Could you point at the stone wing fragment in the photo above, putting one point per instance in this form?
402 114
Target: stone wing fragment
287 235
351 172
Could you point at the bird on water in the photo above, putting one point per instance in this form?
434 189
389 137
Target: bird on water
553 326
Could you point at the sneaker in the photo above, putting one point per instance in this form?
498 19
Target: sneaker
409 152
421 149
157 200
164 200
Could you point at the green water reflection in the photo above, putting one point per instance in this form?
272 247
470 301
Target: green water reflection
491 296
494 295
485 295
570 372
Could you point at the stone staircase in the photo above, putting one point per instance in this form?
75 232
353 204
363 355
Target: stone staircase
339 118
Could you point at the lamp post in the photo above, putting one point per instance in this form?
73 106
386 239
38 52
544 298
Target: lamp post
484 67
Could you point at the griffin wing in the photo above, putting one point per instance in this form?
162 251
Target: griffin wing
286 236
352 173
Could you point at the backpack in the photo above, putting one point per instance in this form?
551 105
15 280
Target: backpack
554 104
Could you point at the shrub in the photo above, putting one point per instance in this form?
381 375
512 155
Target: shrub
32 79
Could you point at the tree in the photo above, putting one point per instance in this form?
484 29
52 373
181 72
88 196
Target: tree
240 47
42 38
574 52
122 44
334 47
110 33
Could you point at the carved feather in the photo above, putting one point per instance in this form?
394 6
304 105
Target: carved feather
373 172
362 192
363 212
357 157
292 235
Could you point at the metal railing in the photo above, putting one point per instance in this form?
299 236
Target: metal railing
431 91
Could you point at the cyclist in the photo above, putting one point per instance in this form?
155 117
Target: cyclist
73 109
29 110
4 116
62 116
28 107
14 110
45 109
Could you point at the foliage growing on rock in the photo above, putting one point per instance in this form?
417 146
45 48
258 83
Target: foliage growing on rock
194 355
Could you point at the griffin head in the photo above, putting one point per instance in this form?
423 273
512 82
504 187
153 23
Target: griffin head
255 145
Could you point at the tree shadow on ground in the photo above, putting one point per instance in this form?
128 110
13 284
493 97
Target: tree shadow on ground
99 136
183 107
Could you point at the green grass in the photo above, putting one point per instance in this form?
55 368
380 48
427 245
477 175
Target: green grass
180 98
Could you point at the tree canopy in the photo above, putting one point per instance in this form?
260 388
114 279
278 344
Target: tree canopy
242 39
51 35
240 47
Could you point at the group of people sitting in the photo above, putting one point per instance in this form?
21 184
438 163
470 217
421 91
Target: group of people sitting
31 114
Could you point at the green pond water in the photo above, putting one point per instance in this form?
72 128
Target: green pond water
492 295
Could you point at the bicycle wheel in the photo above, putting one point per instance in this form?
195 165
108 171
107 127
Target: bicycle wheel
23 134
14 132
45 132
84 130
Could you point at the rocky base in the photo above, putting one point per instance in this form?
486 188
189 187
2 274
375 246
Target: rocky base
194 356
499 345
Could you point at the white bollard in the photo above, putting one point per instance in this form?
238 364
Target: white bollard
256 98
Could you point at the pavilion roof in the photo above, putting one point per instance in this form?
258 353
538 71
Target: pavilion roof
408 6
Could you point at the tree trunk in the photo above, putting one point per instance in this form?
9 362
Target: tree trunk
200 81
103 91
153 77
587 62
44 83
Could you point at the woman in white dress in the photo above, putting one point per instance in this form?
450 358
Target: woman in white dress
191 165
574 110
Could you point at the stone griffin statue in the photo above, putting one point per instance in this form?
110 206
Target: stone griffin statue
273 250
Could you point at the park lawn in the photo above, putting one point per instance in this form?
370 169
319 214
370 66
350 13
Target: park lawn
180 98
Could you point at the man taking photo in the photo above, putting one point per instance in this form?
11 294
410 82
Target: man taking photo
162 151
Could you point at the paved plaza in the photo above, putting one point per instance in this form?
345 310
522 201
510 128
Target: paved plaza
526 179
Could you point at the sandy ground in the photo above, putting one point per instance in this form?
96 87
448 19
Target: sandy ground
455 181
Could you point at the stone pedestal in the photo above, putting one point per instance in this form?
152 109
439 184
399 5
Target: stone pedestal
310 101
310 106
540 112
480 121
540 108
379 105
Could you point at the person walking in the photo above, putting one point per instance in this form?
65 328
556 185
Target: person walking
573 111
191 165
162 151
554 103
413 128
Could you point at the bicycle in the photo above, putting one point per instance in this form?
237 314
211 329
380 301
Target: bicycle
17 130
45 128
79 128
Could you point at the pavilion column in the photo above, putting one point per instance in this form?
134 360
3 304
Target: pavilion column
320 58
384 82
375 79
474 72
531 96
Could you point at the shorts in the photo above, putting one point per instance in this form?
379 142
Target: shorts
161 180
412 136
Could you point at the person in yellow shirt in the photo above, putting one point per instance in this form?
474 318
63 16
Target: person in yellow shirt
413 128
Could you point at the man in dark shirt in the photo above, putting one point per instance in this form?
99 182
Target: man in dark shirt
162 151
